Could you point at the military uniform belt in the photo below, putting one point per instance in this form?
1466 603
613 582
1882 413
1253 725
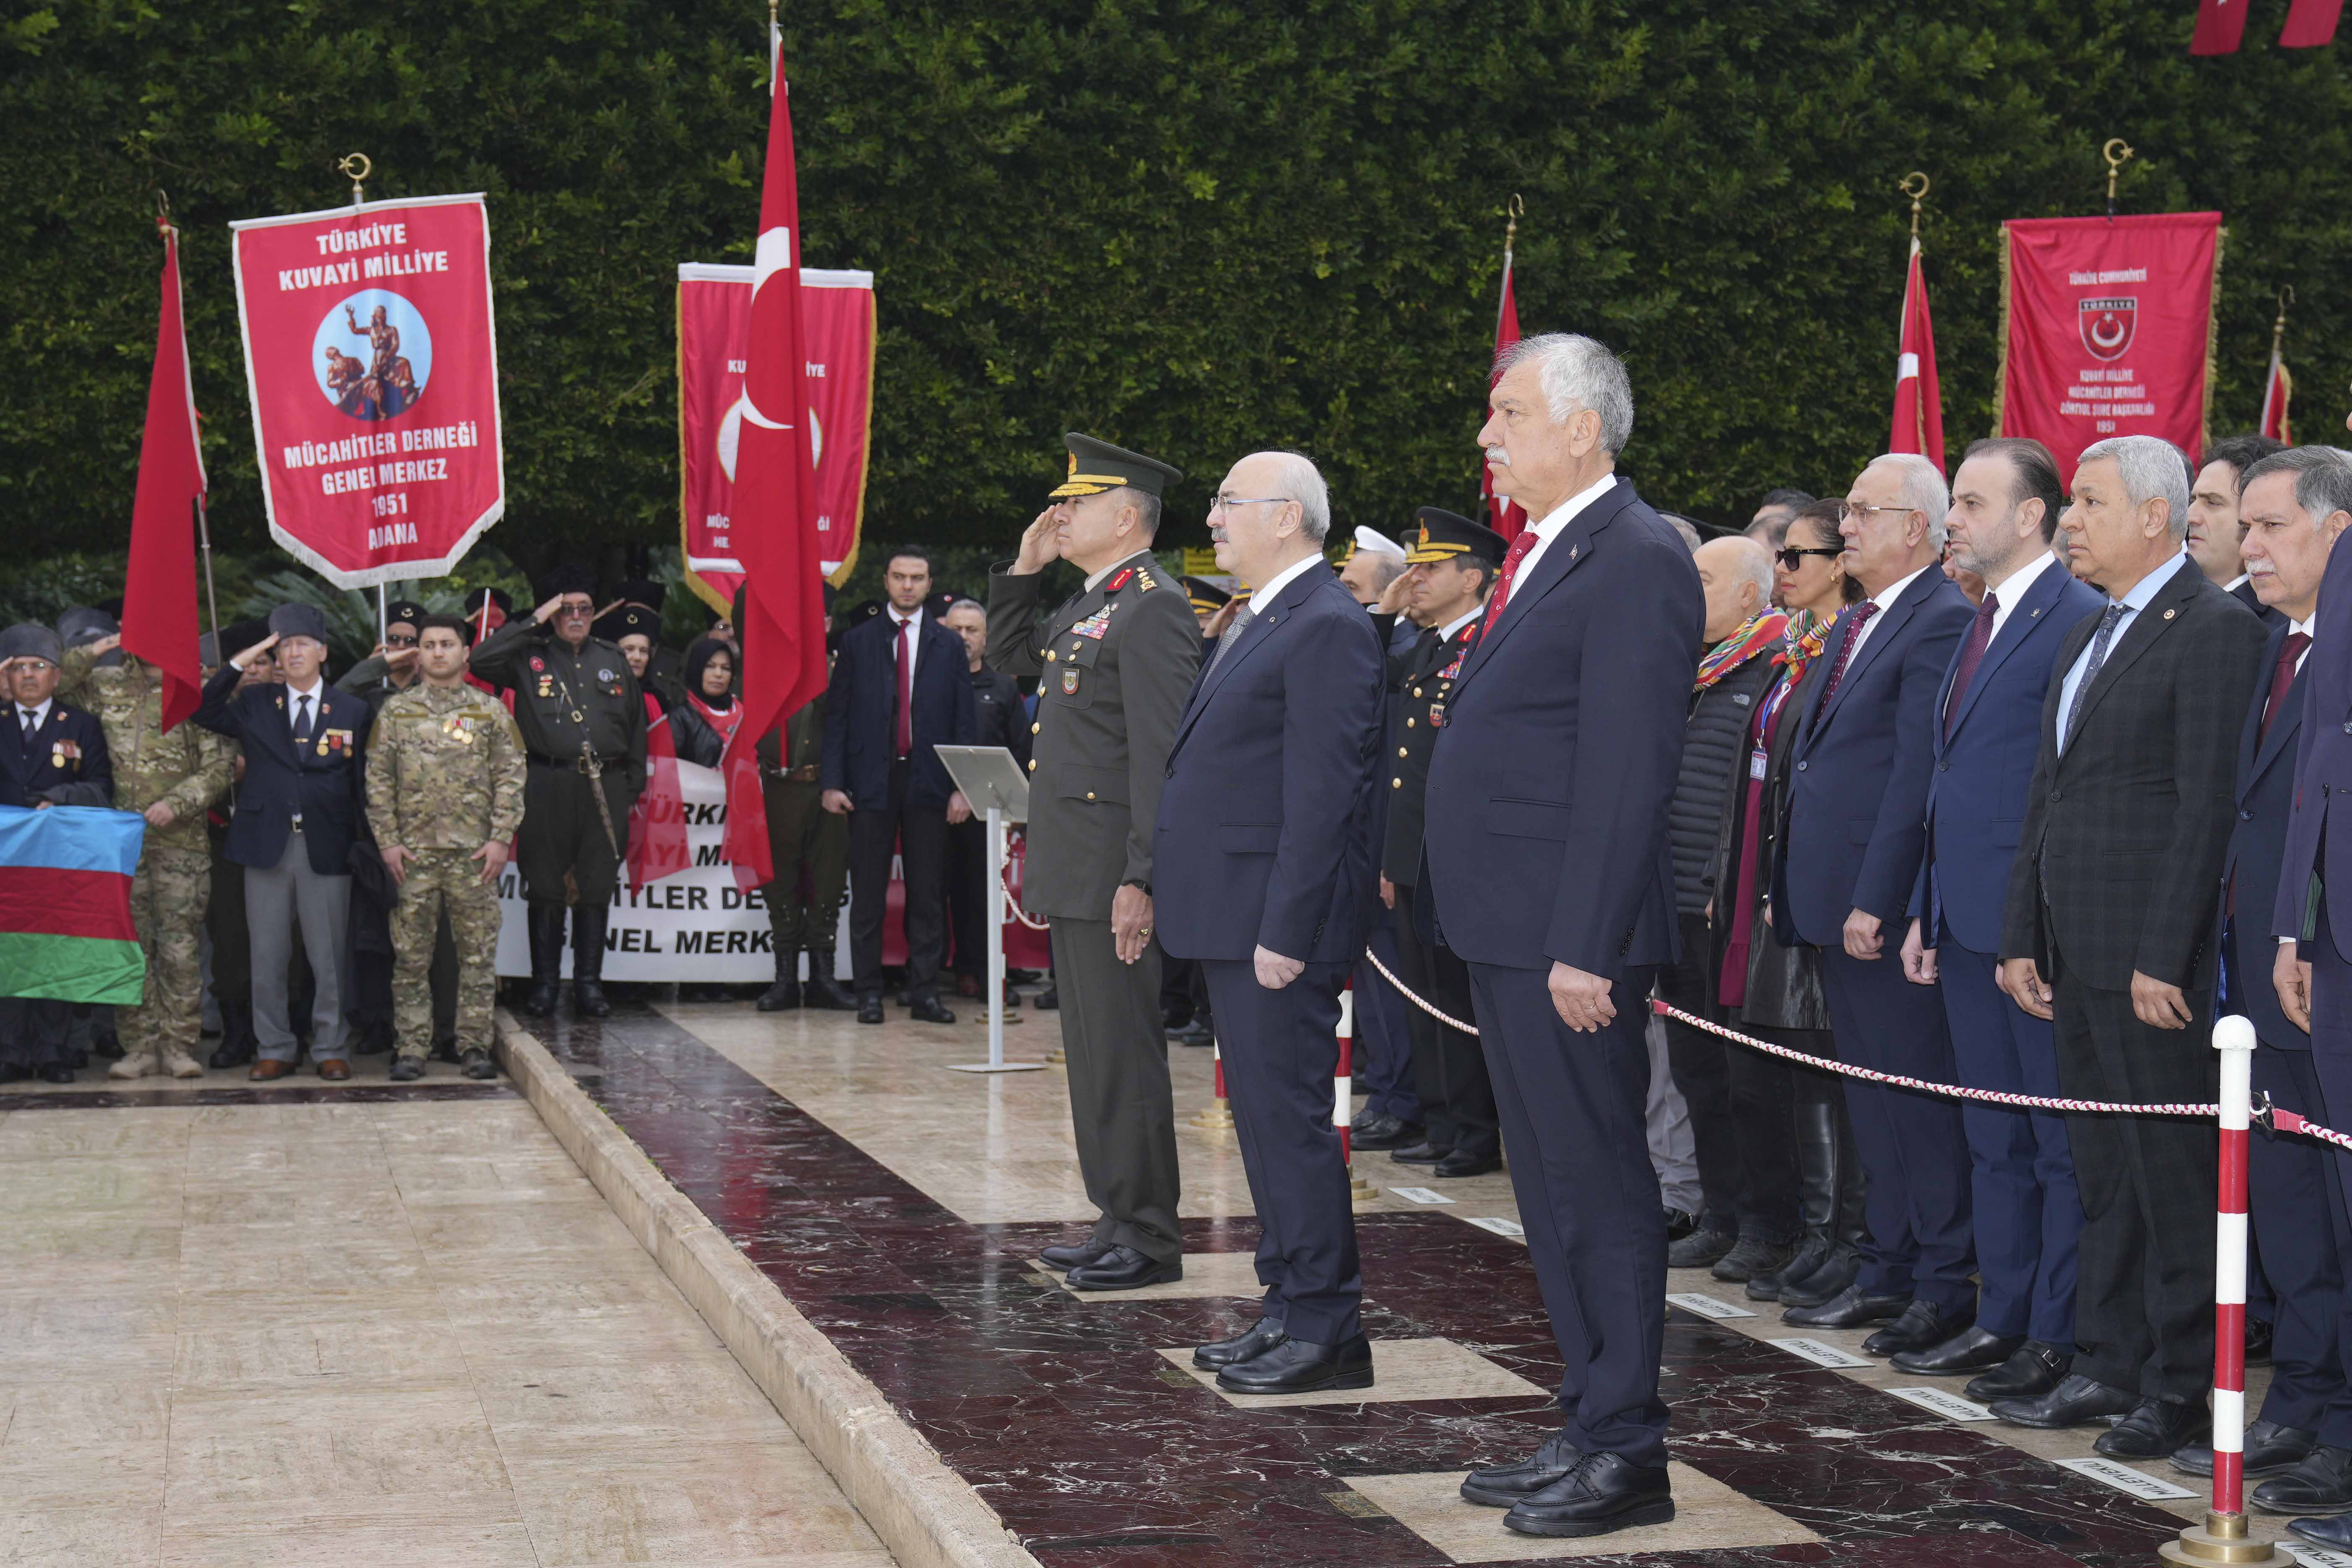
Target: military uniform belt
805 774
578 765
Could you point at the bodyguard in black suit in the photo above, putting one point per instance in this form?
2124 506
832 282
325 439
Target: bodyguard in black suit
298 811
50 755
1261 870
2295 505
2217 533
882 720
2111 928
1843 879
2028 1213
1551 874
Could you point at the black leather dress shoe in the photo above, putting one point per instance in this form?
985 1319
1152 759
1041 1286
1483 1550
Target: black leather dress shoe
2333 1533
1383 1130
2322 1483
1973 1349
1047 1000
869 1009
1508 1486
1462 1162
1301 1366
1123 1269
2270 1448
2154 1429
1250 1343
2078 1401
1066 1255
1680 1223
1605 1492
1849 1308
2259 1337
929 1010
2031 1373
232 1055
1421 1154
1769 1286
1199 1032
406 1069
56 1072
1922 1326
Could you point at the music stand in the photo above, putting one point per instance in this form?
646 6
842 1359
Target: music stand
993 782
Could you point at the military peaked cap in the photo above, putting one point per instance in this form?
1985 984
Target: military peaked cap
1097 466
1443 535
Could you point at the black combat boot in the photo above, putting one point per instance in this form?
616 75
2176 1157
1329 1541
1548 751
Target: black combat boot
823 992
588 961
544 922
785 994
238 1043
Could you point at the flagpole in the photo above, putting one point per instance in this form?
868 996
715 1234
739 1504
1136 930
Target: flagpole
1510 232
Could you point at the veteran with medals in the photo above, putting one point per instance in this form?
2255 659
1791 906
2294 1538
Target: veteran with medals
1112 665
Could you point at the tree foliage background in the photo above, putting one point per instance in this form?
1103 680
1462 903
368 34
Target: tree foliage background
1196 227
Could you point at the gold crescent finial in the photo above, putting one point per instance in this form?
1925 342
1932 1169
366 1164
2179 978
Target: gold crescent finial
1915 185
2117 152
358 167
1517 209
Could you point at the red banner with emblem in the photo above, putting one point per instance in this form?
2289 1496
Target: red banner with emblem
373 362
714 332
2107 329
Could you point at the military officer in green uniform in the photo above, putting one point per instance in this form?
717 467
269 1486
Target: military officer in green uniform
445 791
1113 666
802 835
582 719
169 779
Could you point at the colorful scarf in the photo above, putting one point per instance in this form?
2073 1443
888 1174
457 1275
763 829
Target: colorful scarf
1804 639
1759 629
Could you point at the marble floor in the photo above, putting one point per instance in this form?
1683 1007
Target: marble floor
900 1207
364 1327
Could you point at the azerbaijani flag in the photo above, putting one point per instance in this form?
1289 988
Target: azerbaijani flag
66 930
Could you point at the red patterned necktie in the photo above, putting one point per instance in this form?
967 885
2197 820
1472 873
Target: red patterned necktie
1972 654
902 733
1854 623
1520 546
2282 678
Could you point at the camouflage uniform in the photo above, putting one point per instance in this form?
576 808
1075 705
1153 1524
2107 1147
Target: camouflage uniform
445 776
188 770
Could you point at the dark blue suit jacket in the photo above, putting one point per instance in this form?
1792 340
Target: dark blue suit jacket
328 789
862 701
2323 768
1551 776
30 769
1265 832
1976 796
1856 828
2266 769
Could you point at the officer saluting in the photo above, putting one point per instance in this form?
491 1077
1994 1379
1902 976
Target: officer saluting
1113 666
584 729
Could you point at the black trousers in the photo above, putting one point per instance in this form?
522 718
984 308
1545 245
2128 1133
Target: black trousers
811 848
919 836
2144 1279
562 833
1740 1103
1457 1097
32 1032
231 967
967 888
1574 1119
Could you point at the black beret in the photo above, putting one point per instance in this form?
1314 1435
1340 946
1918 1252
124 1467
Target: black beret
237 636
558 581
407 610
641 590
629 620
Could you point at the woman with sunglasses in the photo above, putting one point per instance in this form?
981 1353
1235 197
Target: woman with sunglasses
1771 992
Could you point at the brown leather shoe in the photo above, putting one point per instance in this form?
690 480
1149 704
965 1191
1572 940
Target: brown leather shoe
263 1071
334 1069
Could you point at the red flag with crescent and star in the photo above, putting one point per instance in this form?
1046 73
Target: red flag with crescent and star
775 477
1919 403
159 593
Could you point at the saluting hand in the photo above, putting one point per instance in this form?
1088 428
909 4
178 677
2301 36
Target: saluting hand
255 651
1039 546
1223 617
1398 592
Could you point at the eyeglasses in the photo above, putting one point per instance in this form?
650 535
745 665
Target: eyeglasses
400 639
1849 512
1793 557
1224 503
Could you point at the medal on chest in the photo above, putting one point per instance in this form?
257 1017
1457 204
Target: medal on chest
458 727
1094 626
63 752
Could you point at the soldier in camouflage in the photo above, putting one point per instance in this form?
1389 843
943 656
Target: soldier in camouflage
169 779
444 783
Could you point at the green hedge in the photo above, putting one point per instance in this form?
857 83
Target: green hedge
1195 226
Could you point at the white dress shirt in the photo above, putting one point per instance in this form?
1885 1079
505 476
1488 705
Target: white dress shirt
1885 599
914 643
1262 600
1445 633
31 718
295 696
2006 596
1558 518
2133 603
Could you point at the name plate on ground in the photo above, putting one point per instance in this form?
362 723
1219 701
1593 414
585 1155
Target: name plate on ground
1944 1402
1706 1306
1509 1227
1821 1354
2124 1478
1421 1196
2316 1556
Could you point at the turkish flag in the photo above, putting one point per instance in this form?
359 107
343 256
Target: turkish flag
1918 406
2277 389
1510 520
776 514
159 593
2220 24
2309 23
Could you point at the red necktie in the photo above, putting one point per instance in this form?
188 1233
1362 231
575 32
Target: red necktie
1511 559
2282 678
902 733
1853 624
1972 654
